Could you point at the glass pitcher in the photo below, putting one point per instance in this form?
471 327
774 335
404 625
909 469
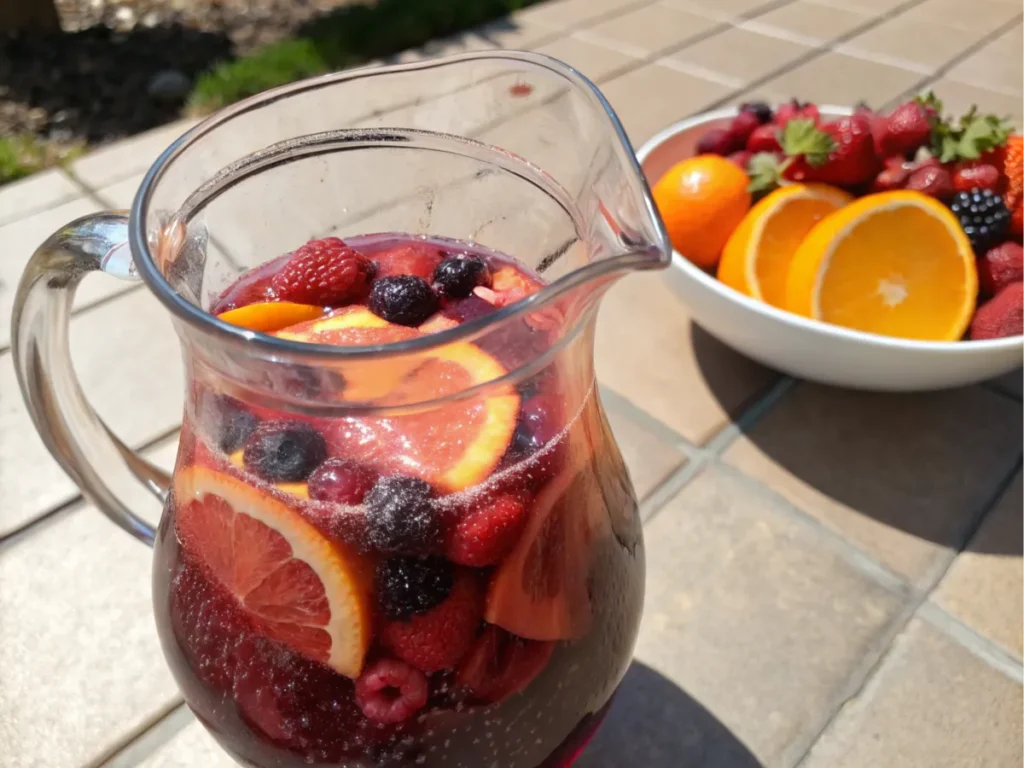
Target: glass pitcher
415 548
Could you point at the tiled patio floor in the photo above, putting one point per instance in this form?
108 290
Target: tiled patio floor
834 578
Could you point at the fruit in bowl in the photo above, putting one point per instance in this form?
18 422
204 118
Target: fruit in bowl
905 224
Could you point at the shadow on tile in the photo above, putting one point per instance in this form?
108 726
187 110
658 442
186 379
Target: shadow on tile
654 723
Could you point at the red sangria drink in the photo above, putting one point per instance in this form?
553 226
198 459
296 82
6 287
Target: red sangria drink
426 558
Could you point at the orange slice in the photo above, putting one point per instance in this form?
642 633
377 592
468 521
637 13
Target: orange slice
757 255
895 263
451 445
270 316
306 592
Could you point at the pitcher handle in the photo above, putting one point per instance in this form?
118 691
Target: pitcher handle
101 465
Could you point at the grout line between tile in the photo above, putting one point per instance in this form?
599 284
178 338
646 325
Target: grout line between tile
1000 391
134 747
746 420
979 645
650 423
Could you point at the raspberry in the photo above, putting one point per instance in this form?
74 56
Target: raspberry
487 531
1001 316
407 586
741 159
341 481
717 141
744 124
391 691
1000 266
284 451
325 273
439 638
418 259
400 518
457 276
403 299
982 215
761 109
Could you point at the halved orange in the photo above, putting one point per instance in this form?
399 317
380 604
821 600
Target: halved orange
895 263
756 258
304 591
269 316
451 445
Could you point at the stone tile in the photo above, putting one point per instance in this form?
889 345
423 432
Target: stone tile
747 612
697 385
761 54
931 704
901 476
191 747
635 97
984 586
505 33
127 157
996 66
908 44
121 193
725 10
649 29
650 457
872 7
79 657
573 14
129 363
835 78
1010 383
985 15
595 61
957 98
36 193
20 240
806 22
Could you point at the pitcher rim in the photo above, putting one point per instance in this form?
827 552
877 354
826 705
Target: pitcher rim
210 324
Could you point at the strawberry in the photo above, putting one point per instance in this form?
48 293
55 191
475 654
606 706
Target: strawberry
486 532
934 181
324 272
419 259
765 138
1001 316
795 110
975 174
440 637
905 130
840 152
1013 169
501 664
1000 266
1017 221
717 141
744 124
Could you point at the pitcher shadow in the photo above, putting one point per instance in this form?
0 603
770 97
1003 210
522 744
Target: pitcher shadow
825 449
653 723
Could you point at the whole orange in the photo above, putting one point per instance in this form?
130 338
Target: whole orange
702 200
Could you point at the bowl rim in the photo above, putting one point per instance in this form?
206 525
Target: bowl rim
798 322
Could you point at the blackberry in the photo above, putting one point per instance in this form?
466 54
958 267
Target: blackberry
400 518
457 276
403 299
410 585
226 420
284 451
763 111
983 216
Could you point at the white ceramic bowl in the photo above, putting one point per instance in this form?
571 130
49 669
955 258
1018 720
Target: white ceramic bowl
808 348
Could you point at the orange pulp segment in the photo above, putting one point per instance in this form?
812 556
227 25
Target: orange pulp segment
895 263
756 258
304 591
270 316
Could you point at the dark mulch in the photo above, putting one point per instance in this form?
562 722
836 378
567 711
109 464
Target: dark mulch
118 68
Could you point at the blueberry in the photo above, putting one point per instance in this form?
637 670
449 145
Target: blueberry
457 276
226 420
403 299
759 108
284 451
400 518
410 585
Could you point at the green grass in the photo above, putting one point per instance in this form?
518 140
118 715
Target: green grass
23 155
349 36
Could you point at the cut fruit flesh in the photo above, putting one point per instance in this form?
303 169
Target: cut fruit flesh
540 590
894 263
758 254
270 316
452 445
302 590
